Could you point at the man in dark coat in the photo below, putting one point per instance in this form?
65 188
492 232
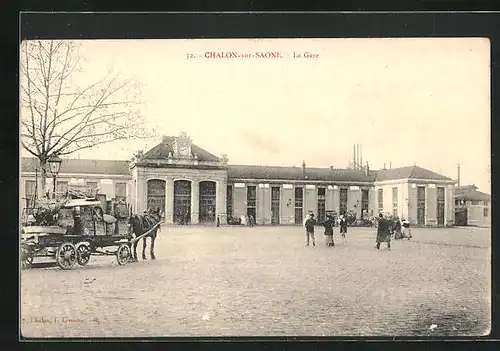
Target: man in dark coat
329 223
310 223
383 233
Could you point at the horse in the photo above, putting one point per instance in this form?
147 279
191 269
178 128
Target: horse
139 225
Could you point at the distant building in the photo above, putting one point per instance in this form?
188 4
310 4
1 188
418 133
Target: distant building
472 207
188 182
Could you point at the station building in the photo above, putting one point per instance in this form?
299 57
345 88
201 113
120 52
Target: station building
188 182
472 207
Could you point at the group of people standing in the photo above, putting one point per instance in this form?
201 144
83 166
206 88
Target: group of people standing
329 224
386 227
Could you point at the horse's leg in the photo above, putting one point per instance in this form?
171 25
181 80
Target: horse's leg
152 249
134 256
144 248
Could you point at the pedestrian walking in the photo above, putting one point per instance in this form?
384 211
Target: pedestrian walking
310 223
251 221
406 229
329 223
397 228
383 232
343 226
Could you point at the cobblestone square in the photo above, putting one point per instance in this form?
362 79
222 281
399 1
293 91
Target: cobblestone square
263 281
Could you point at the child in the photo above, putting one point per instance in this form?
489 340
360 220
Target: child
343 226
310 223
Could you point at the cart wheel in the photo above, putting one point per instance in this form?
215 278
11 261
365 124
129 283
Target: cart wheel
66 256
82 254
123 254
26 257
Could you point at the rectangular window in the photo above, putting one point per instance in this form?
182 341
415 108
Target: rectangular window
440 205
380 200
485 212
343 201
229 201
120 191
252 201
364 202
30 191
299 203
321 204
299 197
395 201
275 205
421 205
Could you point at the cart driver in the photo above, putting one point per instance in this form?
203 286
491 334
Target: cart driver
77 218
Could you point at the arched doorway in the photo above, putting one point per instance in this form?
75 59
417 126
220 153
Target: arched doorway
156 194
207 201
182 201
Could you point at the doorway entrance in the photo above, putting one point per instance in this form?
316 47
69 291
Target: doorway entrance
275 205
461 217
440 206
156 194
299 205
182 201
207 201
421 205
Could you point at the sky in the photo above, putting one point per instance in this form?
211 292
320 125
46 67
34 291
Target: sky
423 101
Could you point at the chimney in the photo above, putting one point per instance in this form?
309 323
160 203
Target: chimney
361 156
367 169
390 165
303 167
384 166
458 171
354 157
331 168
357 156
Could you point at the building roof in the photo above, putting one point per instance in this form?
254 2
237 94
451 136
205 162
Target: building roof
469 192
295 173
462 188
86 166
165 147
409 172
81 166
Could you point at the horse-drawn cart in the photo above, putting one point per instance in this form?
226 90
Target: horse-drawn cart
82 230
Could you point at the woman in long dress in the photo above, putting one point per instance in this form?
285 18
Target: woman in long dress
329 223
397 229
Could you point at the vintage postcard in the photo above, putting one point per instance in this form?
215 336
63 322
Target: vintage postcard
255 187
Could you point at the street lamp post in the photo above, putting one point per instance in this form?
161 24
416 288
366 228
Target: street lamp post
54 165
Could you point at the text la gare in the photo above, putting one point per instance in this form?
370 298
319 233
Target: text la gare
307 55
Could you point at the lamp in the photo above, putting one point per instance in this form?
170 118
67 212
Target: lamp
54 166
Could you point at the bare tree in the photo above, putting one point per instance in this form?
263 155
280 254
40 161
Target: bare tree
59 117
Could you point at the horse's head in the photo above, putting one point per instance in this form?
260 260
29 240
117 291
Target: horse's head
155 213
135 224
